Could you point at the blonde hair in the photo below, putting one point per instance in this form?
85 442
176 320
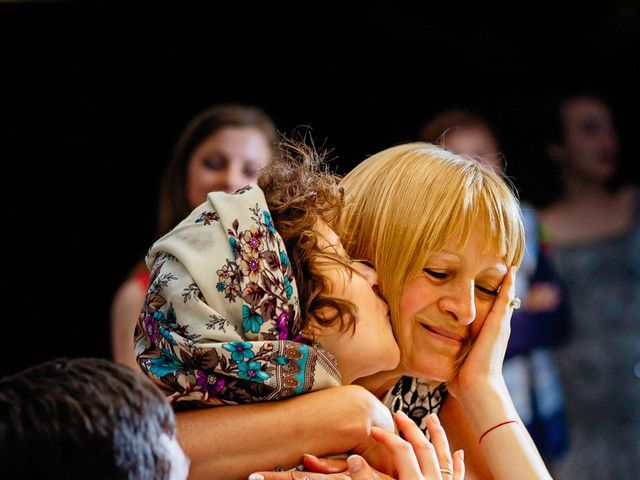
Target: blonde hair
406 202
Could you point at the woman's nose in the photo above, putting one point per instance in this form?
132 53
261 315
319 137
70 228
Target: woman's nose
460 303
234 177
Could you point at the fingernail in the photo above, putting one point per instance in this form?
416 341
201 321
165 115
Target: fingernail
255 476
461 454
434 418
354 463
402 414
308 455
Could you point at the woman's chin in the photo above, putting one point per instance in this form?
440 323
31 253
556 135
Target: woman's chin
393 359
439 370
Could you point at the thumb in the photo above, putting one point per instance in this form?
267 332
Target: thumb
359 469
323 465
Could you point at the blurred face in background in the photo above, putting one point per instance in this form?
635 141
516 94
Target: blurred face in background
590 146
477 142
225 161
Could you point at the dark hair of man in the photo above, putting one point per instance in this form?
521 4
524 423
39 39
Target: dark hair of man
83 418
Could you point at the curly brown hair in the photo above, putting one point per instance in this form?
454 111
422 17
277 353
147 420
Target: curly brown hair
301 191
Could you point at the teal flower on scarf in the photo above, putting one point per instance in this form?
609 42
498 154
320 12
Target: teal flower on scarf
269 222
220 286
284 260
159 317
167 335
232 243
287 287
241 350
165 364
251 321
251 371
171 315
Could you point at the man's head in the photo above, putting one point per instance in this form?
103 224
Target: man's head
86 418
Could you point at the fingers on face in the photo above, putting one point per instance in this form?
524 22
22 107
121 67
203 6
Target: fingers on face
508 289
500 314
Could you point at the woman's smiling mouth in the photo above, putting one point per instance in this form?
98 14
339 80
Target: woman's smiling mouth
444 335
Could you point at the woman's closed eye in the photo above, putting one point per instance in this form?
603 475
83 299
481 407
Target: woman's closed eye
444 275
436 274
493 292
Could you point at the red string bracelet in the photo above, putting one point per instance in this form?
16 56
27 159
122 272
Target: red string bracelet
496 426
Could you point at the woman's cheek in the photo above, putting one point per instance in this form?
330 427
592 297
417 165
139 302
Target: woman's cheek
481 316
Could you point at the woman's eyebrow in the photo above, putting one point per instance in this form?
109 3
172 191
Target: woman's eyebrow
446 255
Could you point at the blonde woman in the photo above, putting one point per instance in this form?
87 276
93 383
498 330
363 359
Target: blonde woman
444 234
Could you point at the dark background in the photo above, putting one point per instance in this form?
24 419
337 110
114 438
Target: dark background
93 96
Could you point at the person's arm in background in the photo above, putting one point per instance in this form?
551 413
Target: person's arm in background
231 442
544 320
125 310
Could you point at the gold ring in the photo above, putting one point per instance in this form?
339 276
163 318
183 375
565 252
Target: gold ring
516 303
446 471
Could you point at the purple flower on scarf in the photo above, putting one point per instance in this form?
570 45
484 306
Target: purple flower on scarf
202 379
219 385
150 328
283 325
209 382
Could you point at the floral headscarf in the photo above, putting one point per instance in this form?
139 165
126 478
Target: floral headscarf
221 320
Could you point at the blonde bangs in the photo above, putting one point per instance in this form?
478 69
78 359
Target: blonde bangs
500 218
409 201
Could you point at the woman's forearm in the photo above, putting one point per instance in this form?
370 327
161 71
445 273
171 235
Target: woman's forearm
231 442
508 449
